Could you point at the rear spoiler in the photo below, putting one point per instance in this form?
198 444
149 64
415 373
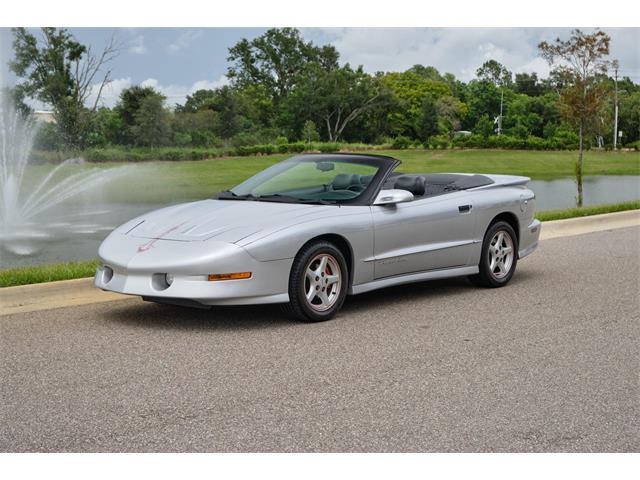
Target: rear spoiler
504 181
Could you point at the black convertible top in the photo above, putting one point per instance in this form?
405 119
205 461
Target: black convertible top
432 184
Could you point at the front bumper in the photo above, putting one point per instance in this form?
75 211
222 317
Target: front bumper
129 270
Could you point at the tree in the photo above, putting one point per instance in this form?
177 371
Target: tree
310 132
106 128
411 90
229 118
494 72
198 100
450 112
580 62
524 116
629 121
484 126
527 83
483 97
63 73
151 126
199 126
136 108
428 121
430 73
335 98
275 59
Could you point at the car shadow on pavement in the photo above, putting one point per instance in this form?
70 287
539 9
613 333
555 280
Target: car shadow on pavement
406 293
170 317
377 299
163 317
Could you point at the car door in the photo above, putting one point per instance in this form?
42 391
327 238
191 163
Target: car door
424 234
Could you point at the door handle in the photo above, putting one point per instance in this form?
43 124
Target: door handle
464 208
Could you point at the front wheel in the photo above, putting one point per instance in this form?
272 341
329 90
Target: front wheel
318 283
499 256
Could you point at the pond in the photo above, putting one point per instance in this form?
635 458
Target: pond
554 194
550 195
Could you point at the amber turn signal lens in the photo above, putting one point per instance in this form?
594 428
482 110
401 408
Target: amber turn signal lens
214 277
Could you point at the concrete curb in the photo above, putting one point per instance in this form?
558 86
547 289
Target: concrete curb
45 296
593 223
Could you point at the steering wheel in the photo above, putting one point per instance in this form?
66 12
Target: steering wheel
355 188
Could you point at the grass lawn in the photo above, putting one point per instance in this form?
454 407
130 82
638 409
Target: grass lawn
587 211
47 273
158 182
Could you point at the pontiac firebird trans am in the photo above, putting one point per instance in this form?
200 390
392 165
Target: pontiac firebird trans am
310 230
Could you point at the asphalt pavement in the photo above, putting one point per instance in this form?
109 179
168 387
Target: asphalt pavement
548 364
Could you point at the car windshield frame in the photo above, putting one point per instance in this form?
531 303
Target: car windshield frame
385 165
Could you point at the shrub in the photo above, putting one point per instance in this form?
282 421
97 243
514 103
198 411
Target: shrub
181 139
329 147
635 145
564 140
48 137
205 138
463 141
401 143
536 143
297 147
439 141
243 151
244 139
267 149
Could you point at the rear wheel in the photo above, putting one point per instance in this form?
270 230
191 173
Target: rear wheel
318 283
499 256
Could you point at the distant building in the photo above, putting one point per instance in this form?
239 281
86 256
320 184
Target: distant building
45 116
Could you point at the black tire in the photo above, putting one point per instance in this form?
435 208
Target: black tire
299 307
486 277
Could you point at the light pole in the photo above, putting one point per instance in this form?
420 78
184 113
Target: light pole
498 120
615 116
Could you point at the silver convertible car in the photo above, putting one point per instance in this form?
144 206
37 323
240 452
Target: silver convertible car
315 228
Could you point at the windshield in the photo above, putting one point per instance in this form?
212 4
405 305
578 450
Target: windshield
310 179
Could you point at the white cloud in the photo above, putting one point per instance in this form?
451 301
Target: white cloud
460 50
110 92
175 93
183 40
137 45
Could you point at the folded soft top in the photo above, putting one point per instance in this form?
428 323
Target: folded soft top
431 184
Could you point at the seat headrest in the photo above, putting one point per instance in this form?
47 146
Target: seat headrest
366 179
412 184
345 180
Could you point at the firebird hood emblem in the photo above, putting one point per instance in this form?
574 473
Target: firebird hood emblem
149 245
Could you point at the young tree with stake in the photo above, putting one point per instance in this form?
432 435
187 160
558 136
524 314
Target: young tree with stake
580 61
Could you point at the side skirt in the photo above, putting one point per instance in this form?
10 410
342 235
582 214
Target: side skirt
412 278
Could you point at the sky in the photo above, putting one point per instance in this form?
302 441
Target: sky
178 61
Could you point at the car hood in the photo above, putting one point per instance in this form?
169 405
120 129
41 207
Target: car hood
222 220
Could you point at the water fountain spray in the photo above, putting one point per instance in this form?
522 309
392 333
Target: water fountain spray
27 219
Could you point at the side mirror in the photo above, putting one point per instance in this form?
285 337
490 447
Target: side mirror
390 197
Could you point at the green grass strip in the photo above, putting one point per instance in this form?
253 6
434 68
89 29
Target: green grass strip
47 273
587 211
